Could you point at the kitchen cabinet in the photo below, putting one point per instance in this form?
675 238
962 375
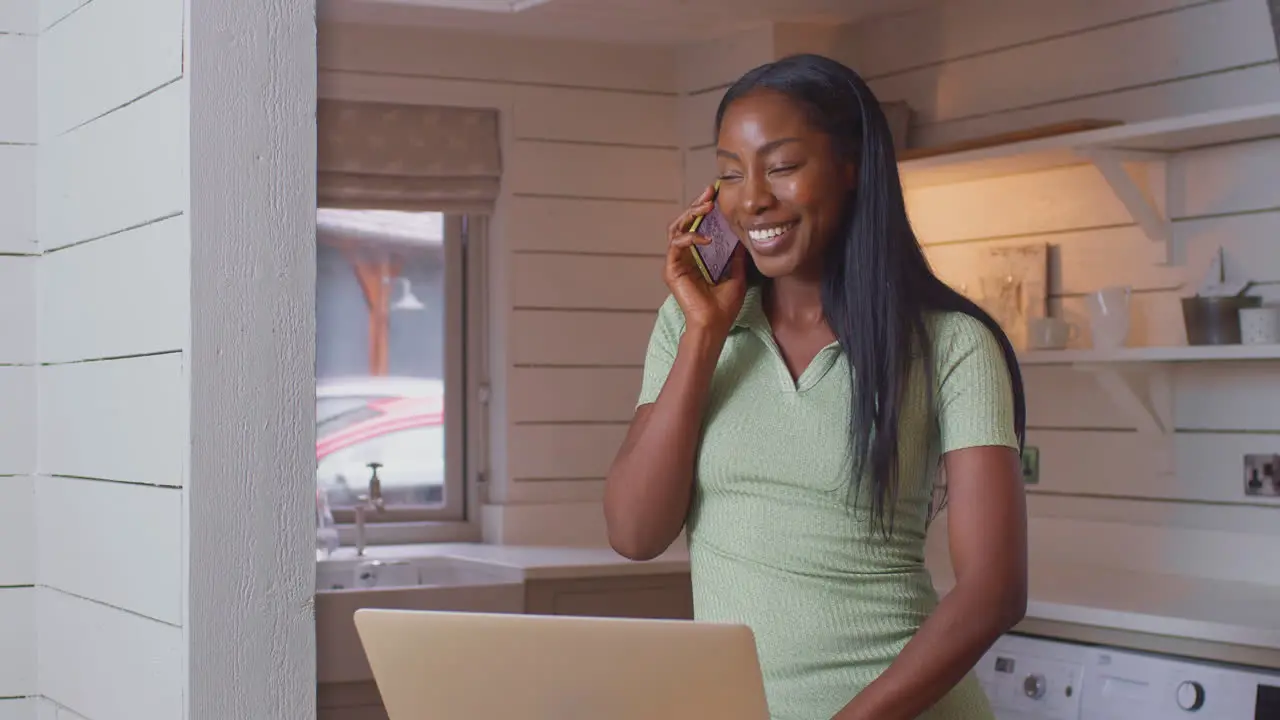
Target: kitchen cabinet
666 596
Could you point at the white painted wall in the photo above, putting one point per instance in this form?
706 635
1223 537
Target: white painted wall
987 66
592 167
18 50
157 426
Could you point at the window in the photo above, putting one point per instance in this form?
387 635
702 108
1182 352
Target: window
397 323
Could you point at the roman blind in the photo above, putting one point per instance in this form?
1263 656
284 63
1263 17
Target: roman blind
407 157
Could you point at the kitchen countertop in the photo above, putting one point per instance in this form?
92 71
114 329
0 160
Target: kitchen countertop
534 563
1219 611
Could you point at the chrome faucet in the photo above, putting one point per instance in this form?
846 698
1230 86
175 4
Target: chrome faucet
373 501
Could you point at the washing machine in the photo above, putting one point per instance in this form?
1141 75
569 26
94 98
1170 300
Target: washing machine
1029 678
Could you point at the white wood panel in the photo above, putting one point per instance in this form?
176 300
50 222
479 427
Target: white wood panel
1198 40
590 226
593 171
596 116
719 62
105 56
18 198
19 16
84 548
107 663
698 117
446 92
587 282
573 394
823 38
121 171
46 709
120 295
1255 520
1151 549
17 642
1234 397
1209 466
1066 199
52 11
699 172
21 709
1245 86
115 419
952 30
1231 178
525 492
18 88
452 54
558 337
548 452
17 431
556 524
1251 243
60 713
1148 548
17 310
1226 180
17 531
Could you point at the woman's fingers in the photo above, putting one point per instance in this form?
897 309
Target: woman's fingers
682 223
684 240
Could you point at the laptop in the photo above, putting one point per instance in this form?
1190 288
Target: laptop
432 665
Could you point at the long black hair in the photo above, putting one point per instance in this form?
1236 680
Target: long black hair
877 286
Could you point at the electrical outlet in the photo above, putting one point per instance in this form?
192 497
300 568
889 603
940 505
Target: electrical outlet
1262 475
1031 465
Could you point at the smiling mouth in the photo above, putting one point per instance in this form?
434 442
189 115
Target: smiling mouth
768 234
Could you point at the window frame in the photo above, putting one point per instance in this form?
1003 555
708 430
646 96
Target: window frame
466 386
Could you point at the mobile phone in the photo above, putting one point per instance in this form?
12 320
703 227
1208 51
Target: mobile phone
713 258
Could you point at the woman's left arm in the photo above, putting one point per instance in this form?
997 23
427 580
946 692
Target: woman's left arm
987 534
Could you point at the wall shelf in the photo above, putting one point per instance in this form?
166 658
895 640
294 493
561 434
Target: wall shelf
1172 354
1131 158
1139 380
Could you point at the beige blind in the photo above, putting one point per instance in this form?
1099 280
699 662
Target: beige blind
407 157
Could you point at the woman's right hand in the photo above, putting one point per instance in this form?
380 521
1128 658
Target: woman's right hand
706 307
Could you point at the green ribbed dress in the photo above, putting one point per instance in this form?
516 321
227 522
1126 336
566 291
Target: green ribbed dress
774 544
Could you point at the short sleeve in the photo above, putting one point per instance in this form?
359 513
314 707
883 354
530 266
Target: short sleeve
661 355
975 389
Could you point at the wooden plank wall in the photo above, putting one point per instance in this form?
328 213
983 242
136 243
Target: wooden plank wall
18 136
968 75
106 514
592 166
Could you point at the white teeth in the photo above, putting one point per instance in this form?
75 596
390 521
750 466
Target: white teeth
769 233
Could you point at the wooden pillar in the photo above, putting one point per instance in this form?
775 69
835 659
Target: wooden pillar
375 269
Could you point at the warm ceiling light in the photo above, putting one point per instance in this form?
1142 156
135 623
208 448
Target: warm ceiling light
498 6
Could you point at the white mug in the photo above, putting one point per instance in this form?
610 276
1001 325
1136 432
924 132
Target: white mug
1260 325
1109 317
1050 333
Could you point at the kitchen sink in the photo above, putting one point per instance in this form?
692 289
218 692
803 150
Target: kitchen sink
421 583
375 574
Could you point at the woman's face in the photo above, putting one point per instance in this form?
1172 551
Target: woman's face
781 185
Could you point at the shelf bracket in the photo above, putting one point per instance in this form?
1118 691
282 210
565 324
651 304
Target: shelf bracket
1144 393
1142 204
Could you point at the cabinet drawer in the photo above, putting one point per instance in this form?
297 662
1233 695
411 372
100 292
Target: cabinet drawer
652 596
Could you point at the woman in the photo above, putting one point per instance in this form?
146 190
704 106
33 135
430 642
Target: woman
793 417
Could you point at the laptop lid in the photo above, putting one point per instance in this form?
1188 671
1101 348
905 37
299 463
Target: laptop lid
432 665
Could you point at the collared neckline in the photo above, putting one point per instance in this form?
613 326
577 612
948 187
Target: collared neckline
753 319
752 316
